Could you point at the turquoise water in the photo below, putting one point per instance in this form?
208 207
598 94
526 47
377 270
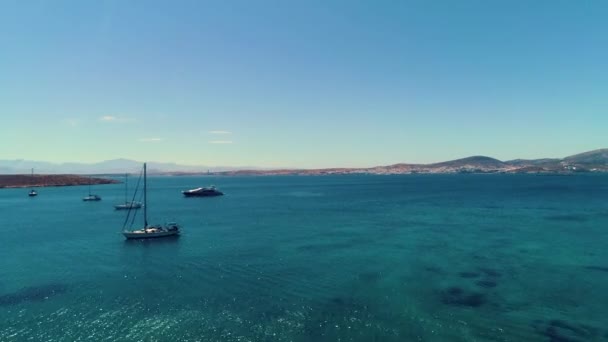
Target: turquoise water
333 258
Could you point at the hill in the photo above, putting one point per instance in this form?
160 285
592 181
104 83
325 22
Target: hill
596 161
474 162
595 157
533 162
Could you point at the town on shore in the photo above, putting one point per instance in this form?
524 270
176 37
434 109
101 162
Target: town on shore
593 161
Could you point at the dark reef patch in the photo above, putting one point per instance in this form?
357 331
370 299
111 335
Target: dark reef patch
33 294
338 307
456 296
501 243
486 283
325 247
469 274
492 206
597 268
550 188
370 277
490 272
561 331
433 269
567 218
394 245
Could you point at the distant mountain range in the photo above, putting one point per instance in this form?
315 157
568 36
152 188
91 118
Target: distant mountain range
114 166
592 161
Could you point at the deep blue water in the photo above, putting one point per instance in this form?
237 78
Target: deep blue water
349 258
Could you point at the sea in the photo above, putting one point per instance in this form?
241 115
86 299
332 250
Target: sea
462 257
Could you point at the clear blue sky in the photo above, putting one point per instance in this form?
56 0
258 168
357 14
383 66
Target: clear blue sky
302 83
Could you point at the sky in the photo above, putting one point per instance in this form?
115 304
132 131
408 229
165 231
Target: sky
295 83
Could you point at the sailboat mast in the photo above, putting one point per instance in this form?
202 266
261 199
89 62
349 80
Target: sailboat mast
145 199
126 191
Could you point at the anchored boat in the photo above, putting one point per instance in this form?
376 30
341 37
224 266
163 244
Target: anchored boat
91 197
203 192
128 204
150 231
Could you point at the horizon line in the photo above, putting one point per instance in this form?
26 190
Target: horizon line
244 167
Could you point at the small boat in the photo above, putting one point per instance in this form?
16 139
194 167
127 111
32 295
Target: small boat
150 231
91 197
128 204
154 231
32 192
202 192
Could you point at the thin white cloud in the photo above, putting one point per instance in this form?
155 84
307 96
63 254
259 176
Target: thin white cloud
220 142
110 118
72 122
150 139
220 132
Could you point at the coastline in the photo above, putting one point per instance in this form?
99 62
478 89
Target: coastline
41 181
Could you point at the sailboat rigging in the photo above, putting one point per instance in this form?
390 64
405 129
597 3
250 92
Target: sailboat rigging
149 231
32 192
91 197
127 205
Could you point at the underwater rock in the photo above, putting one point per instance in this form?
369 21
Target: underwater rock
433 269
345 304
597 268
33 294
486 283
561 331
456 296
567 218
328 247
370 277
490 272
469 274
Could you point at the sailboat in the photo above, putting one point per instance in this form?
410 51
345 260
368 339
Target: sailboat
127 204
91 197
32 192
150 231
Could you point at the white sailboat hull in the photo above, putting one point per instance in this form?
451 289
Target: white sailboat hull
153 231
148 234
134 205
